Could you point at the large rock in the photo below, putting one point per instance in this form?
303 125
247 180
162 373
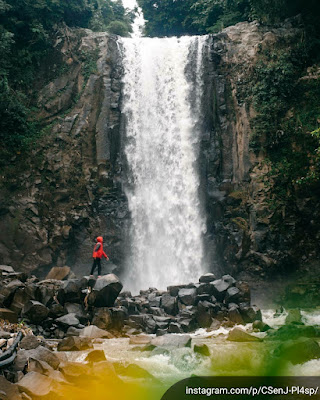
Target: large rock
102 318
74 343
22 296
172 341
95 356
59 273
94 332
187 296
35 384
119 315
204 317
6 269
294 317
169 304
174 327
68 320
29 342
48 290
35 311
299 351
220 287
134 371
78 311
174 290
71 291
105 291
204 288
291 332
202 349
8 391
234 315
75 372
8 315
250 313
232 295
238 335
40 353
209 277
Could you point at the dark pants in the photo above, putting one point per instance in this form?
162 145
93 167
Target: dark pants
96 262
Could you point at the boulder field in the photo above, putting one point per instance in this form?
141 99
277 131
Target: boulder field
41 322
57 308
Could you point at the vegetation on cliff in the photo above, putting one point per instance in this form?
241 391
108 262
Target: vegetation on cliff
183 17
27 34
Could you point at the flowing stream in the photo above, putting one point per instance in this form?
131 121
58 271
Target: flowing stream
162 92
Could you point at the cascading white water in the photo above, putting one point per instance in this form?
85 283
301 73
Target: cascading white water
162 143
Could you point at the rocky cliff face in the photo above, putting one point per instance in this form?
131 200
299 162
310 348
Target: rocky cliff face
240 235
68 189
57 198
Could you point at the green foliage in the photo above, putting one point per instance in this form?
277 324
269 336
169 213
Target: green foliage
118 28
27 31
181 17
287 122
15 127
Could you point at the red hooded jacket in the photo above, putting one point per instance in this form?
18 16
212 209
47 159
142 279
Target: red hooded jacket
98 249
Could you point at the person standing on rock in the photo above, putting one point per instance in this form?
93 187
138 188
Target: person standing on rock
97 255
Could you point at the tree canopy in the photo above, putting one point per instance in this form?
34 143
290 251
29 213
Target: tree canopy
182 17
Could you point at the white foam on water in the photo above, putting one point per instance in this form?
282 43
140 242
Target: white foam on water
269 318
311 317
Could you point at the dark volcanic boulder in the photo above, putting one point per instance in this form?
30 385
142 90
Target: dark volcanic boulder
169 304
29 342
209 277
187 296
204 317
174 290
68 320
250 313
234 314
22 295
35 311
205 288
220 288
105 292
174 327
188 324
8 315
70 292
59 273
232 295
102 318
75 343
119 315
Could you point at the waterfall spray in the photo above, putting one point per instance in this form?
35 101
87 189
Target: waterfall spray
161 149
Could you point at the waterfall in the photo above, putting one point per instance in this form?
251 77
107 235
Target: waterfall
162 109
